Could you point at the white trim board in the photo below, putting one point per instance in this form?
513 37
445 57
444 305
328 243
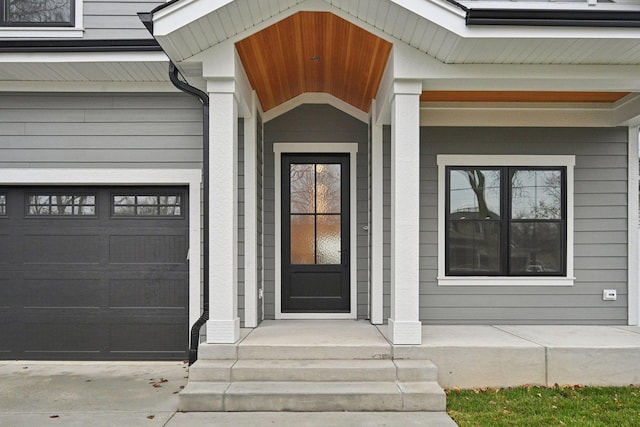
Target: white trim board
445 160
316 98
352 150
190 177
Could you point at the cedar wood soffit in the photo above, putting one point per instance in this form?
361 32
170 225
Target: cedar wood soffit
314 52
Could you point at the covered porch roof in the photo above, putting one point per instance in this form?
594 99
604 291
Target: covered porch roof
349 53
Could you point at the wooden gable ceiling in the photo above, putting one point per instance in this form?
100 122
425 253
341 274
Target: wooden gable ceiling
314 52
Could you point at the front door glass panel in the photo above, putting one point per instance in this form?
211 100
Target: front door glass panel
315 206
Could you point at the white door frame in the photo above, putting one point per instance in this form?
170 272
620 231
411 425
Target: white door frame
338 148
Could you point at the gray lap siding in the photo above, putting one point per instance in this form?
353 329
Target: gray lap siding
93 130
600 249
108 19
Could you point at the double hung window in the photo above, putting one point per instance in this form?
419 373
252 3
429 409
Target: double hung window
505 219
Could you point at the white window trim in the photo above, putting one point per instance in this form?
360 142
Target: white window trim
190 177
49 32
445 160
352 150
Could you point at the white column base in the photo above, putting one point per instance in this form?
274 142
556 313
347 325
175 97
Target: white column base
223 331
405 332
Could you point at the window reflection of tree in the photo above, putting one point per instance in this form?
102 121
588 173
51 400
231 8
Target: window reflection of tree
39 10
302 188
536 233
535 228
315 204
474 230
61 204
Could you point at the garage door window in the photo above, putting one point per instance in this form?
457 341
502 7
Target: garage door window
3 205
146 205
61 205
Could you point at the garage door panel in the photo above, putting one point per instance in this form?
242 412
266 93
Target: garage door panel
8 337
92 288
6 247
147 294
7 318
7 293
61 249
64 292
154 336
148 249
63 336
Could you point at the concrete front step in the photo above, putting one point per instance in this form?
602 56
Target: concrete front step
312 396
312 370
254 351
313 352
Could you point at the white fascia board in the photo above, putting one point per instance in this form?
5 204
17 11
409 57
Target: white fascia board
69 86
547 5
66 57
548 33
409 63
452 19
305 6
438 11
179 14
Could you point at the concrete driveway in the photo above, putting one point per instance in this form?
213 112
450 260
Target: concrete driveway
89 393
145 394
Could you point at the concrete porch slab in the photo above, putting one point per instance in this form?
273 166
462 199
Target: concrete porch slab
591 355
312 339
477 356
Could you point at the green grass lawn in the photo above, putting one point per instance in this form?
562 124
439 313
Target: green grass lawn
544 407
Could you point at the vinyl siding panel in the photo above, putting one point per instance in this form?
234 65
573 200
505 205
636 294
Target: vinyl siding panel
101 130
107 19
600 237
306 124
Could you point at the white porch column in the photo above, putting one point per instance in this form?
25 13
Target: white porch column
377 220
404 324
633 252
250 216
224 324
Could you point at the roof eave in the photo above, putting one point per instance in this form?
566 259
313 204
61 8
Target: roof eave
553 18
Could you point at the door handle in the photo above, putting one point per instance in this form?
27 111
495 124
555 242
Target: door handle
345 256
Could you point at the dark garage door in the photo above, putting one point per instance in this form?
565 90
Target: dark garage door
93 273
